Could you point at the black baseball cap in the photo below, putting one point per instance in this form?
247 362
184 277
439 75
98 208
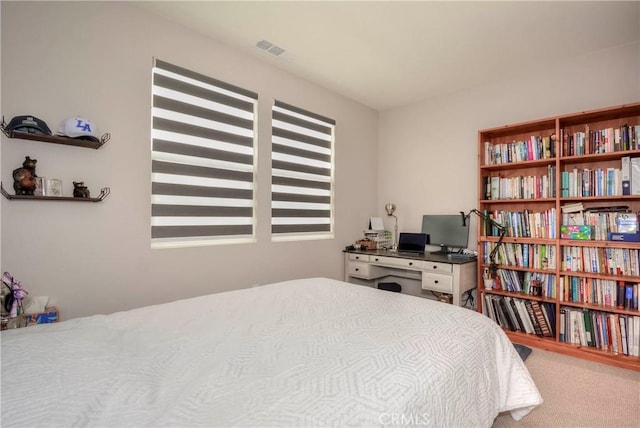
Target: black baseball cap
28 125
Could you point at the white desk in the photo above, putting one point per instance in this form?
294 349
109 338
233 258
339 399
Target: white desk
434 272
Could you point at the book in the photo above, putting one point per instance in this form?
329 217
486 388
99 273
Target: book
626 175
635 176
516 314
628 297
627 222
588 326
533 318
622 320
620 294
542 322
507 314
572 208
623 237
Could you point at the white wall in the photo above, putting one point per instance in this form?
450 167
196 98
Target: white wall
428 151
94 59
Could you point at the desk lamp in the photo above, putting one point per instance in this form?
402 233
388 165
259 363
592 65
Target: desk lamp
493 266
391 208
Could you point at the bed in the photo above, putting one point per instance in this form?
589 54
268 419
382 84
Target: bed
308 352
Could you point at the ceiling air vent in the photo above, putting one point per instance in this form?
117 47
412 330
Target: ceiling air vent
270 47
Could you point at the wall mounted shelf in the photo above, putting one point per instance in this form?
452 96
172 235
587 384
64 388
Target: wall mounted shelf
57 139
104 192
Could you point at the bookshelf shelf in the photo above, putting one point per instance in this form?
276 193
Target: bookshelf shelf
519 165
603 308
568 156
519 201
522 268
517 240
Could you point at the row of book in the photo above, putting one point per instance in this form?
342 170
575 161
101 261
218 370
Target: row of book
604 222
521 186
527 316
534 256
617 333
608 261
604 292
606 140
522 224
532 283
585 182
534 148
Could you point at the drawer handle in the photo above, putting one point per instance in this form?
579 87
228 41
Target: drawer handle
357 257
435 282
377 259
410 263
435 267
357 269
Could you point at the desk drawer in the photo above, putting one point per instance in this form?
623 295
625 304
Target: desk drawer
436 267
364 270
358 257
435 282
397 262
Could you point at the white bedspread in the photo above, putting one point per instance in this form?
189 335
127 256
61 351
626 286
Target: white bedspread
313 352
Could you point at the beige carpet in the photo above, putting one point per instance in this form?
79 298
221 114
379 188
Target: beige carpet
579 393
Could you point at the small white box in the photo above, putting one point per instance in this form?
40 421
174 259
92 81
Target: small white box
53 187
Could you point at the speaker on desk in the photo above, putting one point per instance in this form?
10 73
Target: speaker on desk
390 286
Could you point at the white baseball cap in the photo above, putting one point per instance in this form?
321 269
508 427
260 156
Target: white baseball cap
78 127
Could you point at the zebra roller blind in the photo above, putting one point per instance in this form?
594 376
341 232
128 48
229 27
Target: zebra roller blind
301 173
203 159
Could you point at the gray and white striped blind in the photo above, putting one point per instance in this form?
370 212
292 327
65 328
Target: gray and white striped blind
301 173
203 159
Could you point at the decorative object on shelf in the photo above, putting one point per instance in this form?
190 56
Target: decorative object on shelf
30 164
39 190
13 301
53 187
78 127
24 178
28 125
80 190
23 182
391 208
493 266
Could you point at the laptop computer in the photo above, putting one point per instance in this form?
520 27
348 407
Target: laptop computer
412 242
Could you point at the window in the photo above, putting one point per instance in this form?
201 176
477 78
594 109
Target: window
203 160
301 174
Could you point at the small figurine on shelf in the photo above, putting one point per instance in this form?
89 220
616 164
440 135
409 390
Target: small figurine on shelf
30 164
23 182
24 179
80 190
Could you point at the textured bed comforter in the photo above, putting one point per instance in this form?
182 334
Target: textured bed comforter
311 352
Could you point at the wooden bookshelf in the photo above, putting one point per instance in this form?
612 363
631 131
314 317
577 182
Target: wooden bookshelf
526 173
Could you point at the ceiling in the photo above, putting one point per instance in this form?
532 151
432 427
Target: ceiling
386 54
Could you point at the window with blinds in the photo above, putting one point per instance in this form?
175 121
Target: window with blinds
301 174
203 160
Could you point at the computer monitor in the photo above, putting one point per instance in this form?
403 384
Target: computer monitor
445 231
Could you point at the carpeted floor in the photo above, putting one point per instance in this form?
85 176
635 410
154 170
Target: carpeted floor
579 393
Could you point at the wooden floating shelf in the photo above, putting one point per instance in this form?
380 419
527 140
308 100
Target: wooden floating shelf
57 139
104 192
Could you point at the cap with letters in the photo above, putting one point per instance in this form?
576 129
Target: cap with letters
78 127
28 125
